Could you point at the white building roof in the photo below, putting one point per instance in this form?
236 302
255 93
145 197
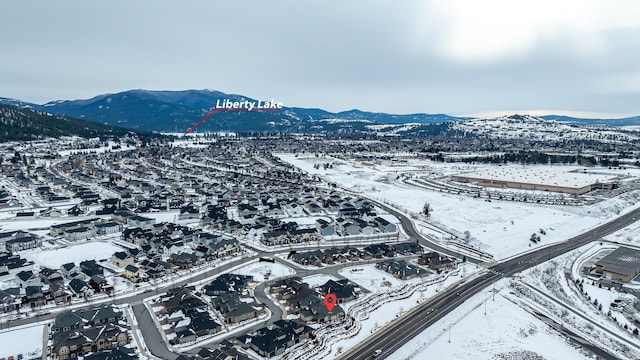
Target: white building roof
540 176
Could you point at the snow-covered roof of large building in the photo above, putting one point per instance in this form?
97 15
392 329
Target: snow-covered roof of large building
540 176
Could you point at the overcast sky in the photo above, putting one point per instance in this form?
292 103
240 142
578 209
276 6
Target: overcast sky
450 56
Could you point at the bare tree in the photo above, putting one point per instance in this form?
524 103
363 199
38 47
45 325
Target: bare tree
426 209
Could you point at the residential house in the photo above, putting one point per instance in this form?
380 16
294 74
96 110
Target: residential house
10 300
49 276
384 226
23 243
275 339
324 228
134 274
78 234
234 309
140 221
406 248
108 227
80 288
122 259
343 289
27 278
117 353
227 283
436 261
34 296
401 269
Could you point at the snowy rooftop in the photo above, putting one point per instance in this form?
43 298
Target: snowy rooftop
540 176
622 260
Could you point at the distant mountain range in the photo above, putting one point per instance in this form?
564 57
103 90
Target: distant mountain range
21 123
177 111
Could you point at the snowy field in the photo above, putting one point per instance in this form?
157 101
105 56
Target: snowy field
505 332
502 228
13 223
629 234
318 280
259 270
25 340
373 279
54 258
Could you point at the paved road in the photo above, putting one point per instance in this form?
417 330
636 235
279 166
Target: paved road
410 229
394 335
151 333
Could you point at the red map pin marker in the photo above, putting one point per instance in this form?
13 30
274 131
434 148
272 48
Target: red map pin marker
330 301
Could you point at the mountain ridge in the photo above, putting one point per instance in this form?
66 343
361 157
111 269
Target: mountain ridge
178 110
23 124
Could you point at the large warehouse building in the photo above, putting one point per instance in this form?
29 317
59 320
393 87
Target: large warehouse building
622 264
538 178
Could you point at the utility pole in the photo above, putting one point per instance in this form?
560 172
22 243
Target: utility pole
485 307
494 292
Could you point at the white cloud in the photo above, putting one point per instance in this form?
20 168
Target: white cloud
470 30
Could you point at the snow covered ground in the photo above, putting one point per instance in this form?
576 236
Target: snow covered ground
502 228
318 280
505 332
54 258
23 340
373 279
260 270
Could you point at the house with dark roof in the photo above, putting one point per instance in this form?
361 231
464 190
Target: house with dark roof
407 248
27 278
224 351
83 341
140 221
234 309
402 269
227 283
68 269
23 243
325 228
91 268
117 353
10 300
313 257
80 288
436 261
122 259
182 299
384 226
48 276
274 340
34 296
134 274
291 289
344 290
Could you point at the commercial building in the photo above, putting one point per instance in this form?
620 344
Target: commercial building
538 178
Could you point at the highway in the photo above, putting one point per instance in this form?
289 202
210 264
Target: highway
391 337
